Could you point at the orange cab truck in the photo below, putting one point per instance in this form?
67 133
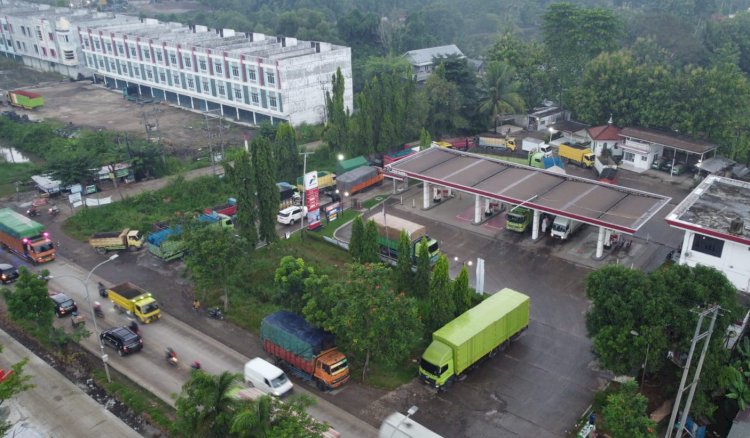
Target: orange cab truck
305 350
25 237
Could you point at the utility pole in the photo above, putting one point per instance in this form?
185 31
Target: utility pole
698 336
304 187
210 134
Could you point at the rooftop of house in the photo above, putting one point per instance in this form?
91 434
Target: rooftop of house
568 126
668 139
424 56
712 207
604 132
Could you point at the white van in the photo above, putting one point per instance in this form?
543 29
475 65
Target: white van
267 377
563 227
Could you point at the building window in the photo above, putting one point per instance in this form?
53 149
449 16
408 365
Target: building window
254 97
172 59
96 45
158 56
120 49
36 49
202 64
149 74
238 93
112 65
251 74
65 37
70 55
272 101
51 37
44 51
206 87
644 157
146 53
271 79
708 245
52 53
186 61
137 71
90 62
176 79
217 68
628 156
132 51
109 47
235 71
39 34
162 77
86 43
190 83
222 90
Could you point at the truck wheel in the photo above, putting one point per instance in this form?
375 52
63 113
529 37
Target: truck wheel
493 353
132 249
321 386
101 250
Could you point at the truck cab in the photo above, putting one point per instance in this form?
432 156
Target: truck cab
332 368
518 219
563 227
436 365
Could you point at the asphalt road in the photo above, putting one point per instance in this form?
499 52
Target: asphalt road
55 406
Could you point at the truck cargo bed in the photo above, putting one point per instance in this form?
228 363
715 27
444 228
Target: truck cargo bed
107 235
307 366
128 290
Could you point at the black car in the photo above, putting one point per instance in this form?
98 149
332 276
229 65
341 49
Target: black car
8 273
122 339
64 305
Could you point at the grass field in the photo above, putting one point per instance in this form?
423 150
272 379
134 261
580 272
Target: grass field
10 173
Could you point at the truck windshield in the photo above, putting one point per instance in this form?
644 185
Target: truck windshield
559 227
339 367
432 369
42 247
433 246
150 307
515 218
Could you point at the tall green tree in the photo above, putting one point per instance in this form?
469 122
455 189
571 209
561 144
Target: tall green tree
462 293
442 305
425 140
336 131
423 271
243 179
369 319
357 239
268 417
286 154
457 70
208 250
444 102
205 407
501 93
29 305
529 61
403 275
371 248
267 190
290 279
625 415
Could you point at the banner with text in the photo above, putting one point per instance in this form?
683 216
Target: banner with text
312 200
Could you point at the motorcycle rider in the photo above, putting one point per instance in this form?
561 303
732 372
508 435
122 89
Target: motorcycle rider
171 356
98 309
134 327
102 290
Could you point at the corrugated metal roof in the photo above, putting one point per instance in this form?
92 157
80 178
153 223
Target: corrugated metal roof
424 56
593 202
676 141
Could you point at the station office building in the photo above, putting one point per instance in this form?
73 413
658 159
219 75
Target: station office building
716 219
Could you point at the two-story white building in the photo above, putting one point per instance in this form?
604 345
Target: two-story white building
716 219
641 146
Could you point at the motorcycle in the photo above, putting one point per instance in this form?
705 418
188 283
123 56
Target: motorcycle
32 212
54 210
134 328
171 357
215 313
98 310
196 366
102 291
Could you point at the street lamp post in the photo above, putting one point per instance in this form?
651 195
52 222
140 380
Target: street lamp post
645 359
93 315
412 410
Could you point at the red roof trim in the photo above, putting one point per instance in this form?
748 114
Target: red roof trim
708 232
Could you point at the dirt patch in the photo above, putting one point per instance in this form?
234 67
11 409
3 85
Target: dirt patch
78 371
15 75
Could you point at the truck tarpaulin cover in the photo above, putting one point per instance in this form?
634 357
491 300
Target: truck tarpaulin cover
291 332
18 225
390 227
160 236
351 164
347 181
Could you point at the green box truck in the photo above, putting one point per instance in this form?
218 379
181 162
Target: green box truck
479 332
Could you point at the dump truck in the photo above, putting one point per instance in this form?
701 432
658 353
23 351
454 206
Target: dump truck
579 154
228 209
307 351
117 240
25 237
496 141
358 180
606 169
165 243
389 233
542 161
127 297
326 181
25 99
480 332
518 219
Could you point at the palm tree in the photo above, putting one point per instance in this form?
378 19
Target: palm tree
206 407
501 89
254 419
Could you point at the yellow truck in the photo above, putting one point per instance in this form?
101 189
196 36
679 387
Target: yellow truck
496 141
579 154
130 298
326 181
117 240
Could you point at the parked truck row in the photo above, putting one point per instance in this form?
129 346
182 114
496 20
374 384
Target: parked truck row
25 237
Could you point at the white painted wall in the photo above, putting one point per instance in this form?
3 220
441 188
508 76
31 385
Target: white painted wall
734 261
